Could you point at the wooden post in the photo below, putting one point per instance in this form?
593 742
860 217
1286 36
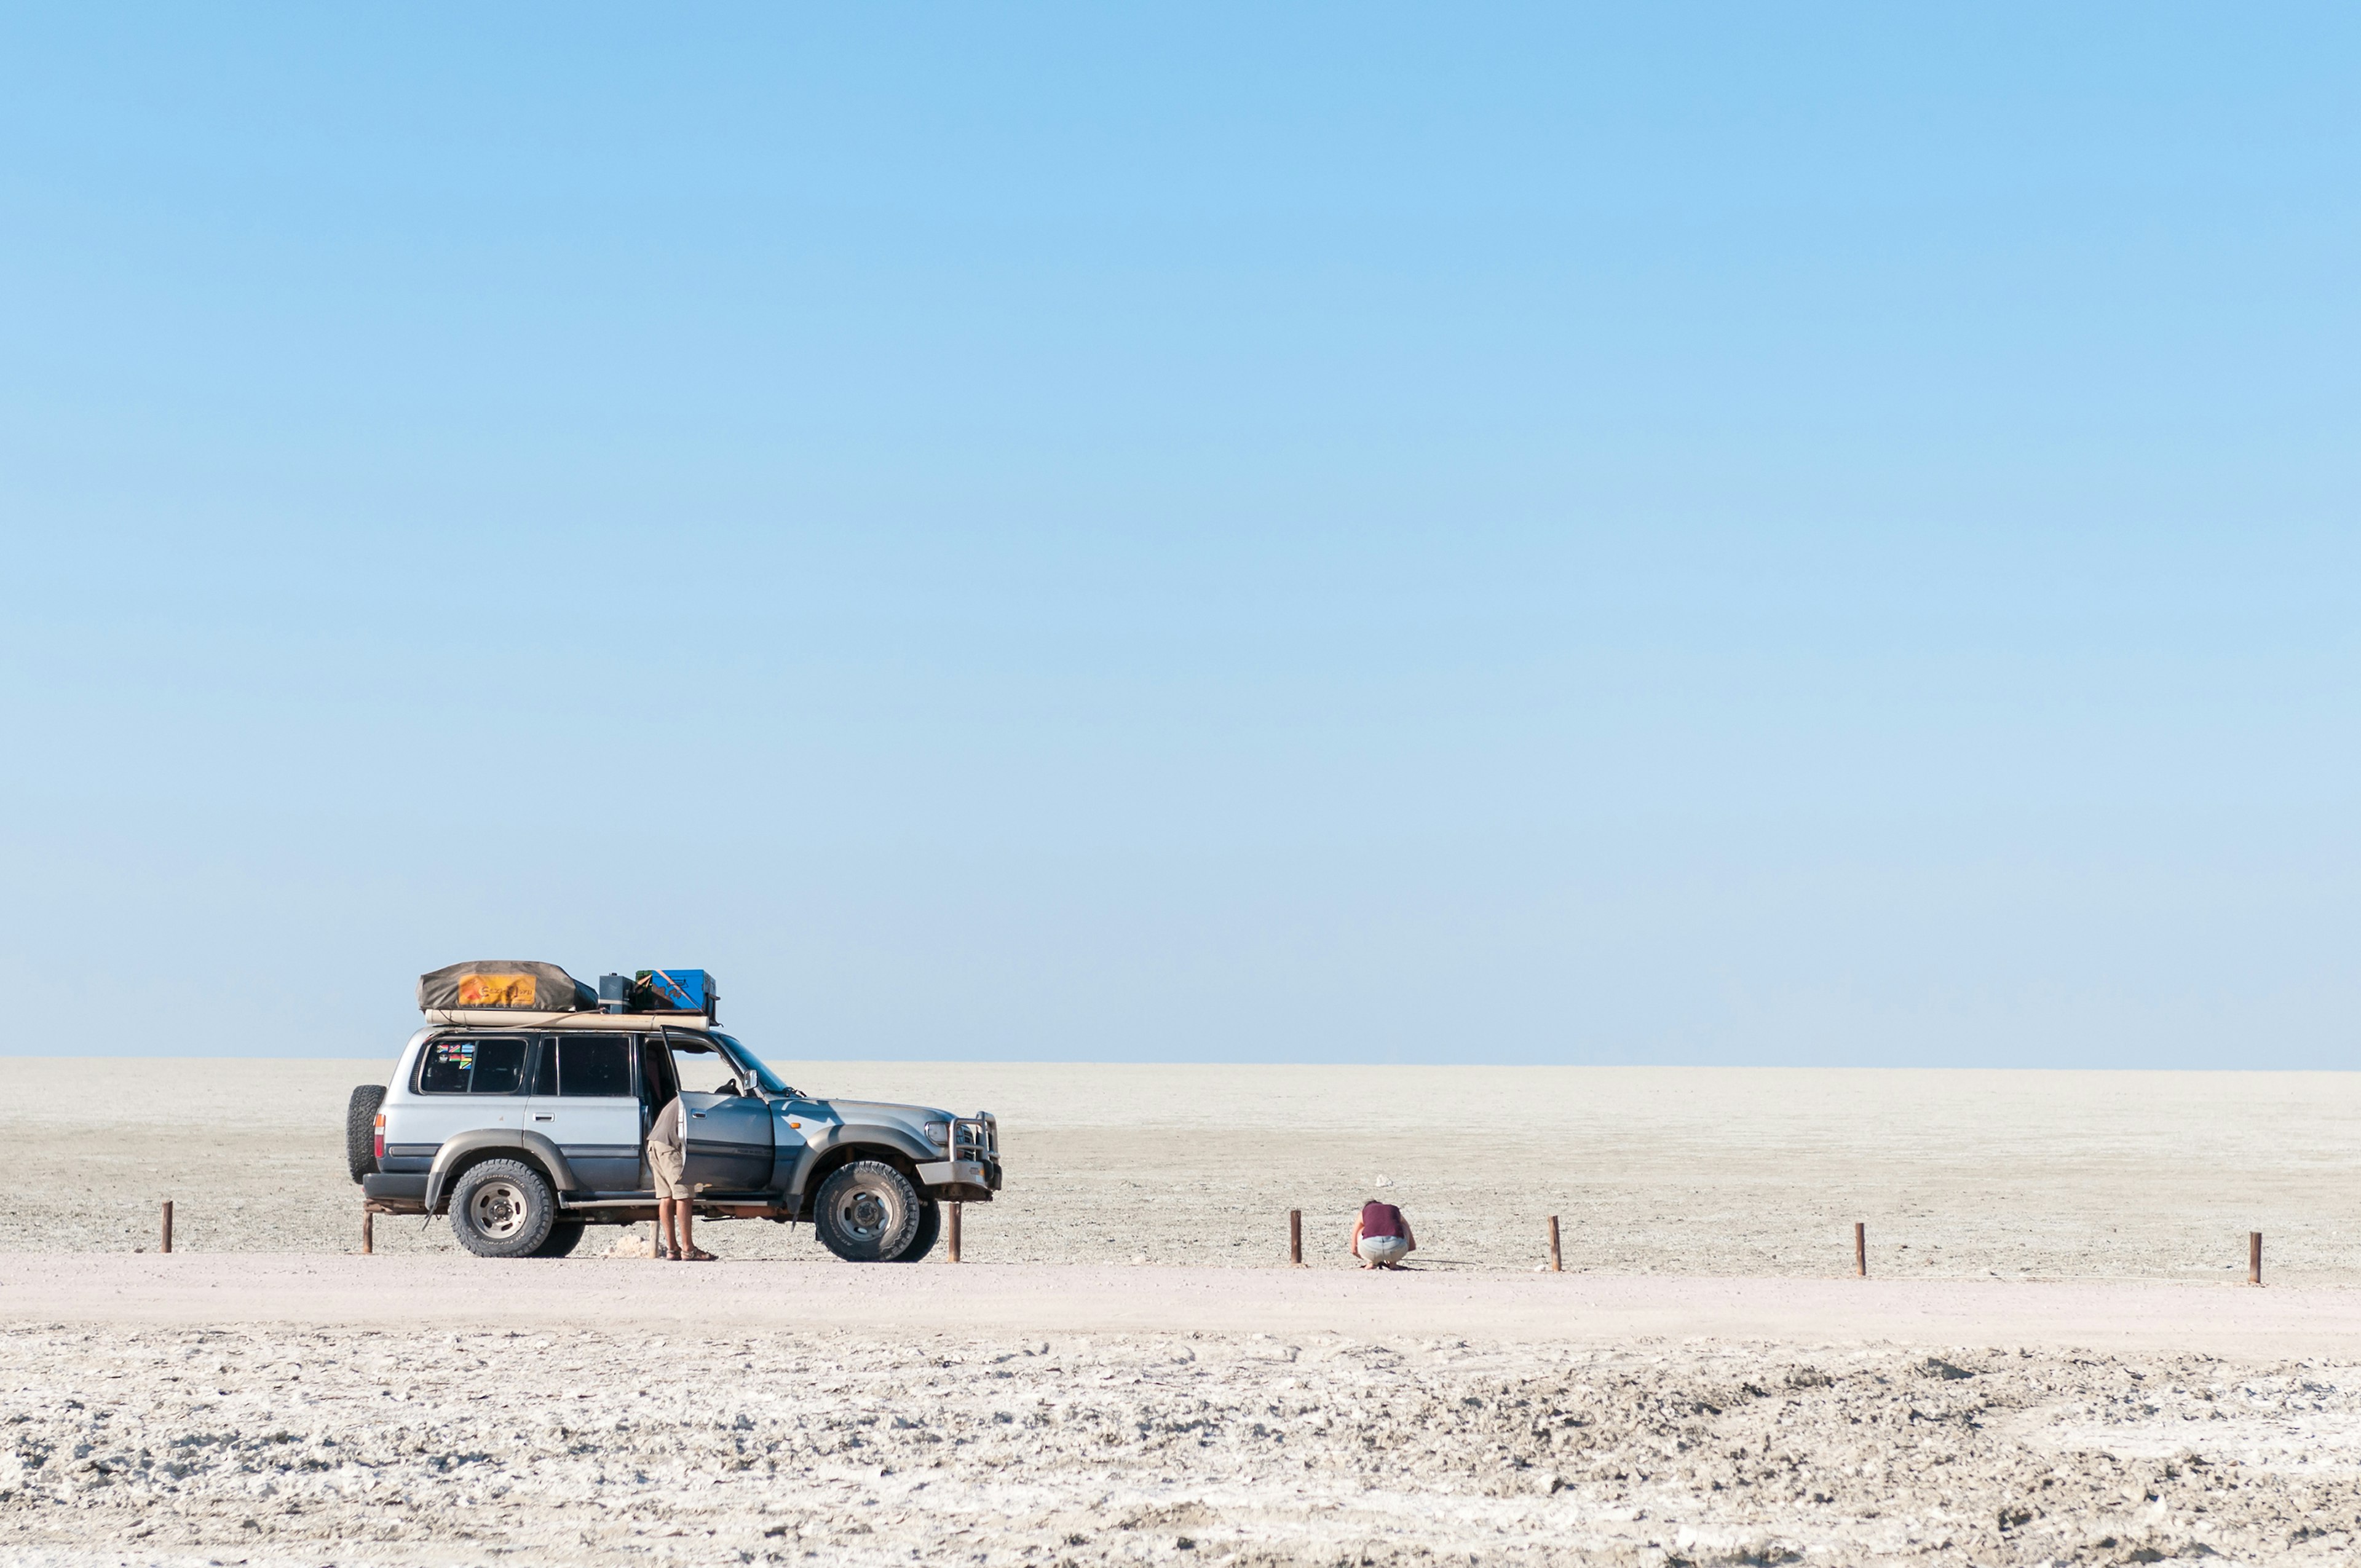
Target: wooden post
167 1246
1557 1264
2254 1257
955 1232
368 1231
1295 1237
1859 1250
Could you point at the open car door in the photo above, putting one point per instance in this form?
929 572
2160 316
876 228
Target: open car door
729 1127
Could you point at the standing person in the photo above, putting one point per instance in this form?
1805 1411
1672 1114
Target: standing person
668 1164
1381 1237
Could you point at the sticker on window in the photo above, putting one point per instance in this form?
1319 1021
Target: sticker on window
496 991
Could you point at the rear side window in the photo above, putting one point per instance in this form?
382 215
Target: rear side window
472 1067
594 1065
499 1066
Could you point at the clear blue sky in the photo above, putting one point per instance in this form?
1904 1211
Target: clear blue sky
1660 534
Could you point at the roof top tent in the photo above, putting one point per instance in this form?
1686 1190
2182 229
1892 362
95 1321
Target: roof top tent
503 985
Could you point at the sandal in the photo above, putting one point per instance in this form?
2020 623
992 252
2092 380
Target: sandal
698 1255
666 1255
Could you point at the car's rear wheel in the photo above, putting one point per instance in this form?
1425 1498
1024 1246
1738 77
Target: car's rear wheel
564 1237
868 1211
502 1208
922 1239
360 1129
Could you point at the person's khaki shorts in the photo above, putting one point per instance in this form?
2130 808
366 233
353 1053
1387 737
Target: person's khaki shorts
669 1168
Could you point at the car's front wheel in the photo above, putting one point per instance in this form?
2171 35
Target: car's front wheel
923 1238
502 1208
868 1211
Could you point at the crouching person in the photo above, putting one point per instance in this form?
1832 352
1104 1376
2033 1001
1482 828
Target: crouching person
668 1165
1381 1236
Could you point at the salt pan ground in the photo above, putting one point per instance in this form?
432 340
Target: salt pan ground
399 1412
1689 1172
2053 1362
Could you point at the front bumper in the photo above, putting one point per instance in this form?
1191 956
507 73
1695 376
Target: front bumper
960 1180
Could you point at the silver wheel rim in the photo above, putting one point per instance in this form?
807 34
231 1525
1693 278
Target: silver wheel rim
864 1212
498 1209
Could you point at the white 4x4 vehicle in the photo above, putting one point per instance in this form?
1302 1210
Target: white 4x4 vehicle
525 1128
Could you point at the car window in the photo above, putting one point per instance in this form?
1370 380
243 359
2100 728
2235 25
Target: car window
594 1065
448 1066
472 1067
763 1076
655 1072
702 1069
499 1066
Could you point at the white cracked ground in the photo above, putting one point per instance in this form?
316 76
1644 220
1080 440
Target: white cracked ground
310 1444
290 1446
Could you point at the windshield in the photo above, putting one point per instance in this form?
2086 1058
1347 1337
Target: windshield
763 1077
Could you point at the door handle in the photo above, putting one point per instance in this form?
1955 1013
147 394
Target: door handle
538 1117
698 1115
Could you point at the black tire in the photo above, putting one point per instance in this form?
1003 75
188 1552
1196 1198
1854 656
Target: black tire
564 1237
867 1211
360 1129
502 1208
929 1231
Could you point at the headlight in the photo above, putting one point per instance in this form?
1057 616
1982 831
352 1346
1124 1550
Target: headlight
939 1133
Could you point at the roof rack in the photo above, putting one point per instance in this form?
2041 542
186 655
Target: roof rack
520 1018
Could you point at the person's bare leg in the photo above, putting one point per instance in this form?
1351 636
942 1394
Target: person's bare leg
687 1244
663 1226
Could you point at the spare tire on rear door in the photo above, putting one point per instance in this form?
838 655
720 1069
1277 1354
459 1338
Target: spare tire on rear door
360 1129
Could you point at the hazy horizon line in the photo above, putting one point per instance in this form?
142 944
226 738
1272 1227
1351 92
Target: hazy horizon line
365 1061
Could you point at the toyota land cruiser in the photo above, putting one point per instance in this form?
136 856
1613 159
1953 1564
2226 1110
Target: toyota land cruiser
525 1128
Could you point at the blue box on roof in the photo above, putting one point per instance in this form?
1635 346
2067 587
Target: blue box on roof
678 990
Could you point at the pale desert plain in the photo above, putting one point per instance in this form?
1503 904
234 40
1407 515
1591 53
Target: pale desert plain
2056 1358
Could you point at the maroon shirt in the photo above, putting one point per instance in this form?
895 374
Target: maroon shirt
1382 1220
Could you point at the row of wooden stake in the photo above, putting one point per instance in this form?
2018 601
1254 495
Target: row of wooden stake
1295 1242
1860 1252
1860 1248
